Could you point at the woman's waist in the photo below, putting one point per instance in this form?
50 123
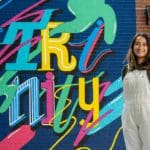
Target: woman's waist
136 100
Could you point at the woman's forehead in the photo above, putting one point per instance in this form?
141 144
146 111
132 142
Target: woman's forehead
141 39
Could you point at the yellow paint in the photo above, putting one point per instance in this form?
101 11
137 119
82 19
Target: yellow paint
94 106
115 138
56 47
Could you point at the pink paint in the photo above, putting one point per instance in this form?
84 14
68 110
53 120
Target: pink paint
18 16
39 13
93 45
50 105
35 41
78 44
99 59
5 49
18 138
105 86
83 131
91 50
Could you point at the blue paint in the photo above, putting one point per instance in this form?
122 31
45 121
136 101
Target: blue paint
103 136
5 4
1 29
116 105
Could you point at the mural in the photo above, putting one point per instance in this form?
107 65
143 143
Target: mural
60 64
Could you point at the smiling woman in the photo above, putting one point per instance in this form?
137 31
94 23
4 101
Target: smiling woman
140 49
136 92
139 53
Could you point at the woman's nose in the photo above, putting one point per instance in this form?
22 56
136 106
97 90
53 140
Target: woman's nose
140 46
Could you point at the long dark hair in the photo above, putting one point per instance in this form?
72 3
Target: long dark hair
131 57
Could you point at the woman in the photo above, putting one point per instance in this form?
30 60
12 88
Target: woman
136 92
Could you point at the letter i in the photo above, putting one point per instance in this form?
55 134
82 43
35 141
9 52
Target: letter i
50 104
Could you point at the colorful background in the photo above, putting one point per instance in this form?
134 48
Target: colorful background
106 132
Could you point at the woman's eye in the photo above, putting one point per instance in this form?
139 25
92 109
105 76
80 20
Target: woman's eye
145 44
136 44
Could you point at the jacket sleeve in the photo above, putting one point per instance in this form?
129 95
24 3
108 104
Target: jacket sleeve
124 71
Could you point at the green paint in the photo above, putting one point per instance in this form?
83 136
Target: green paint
60 106
86 13
7 90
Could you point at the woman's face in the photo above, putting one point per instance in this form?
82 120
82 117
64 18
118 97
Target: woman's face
140 48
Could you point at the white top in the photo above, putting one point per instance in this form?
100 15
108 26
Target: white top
136 87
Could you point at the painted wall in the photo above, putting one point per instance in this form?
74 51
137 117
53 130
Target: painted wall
60 67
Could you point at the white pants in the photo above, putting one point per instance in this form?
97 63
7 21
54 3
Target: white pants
136 126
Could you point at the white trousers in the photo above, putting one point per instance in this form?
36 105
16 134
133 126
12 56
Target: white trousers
136 126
